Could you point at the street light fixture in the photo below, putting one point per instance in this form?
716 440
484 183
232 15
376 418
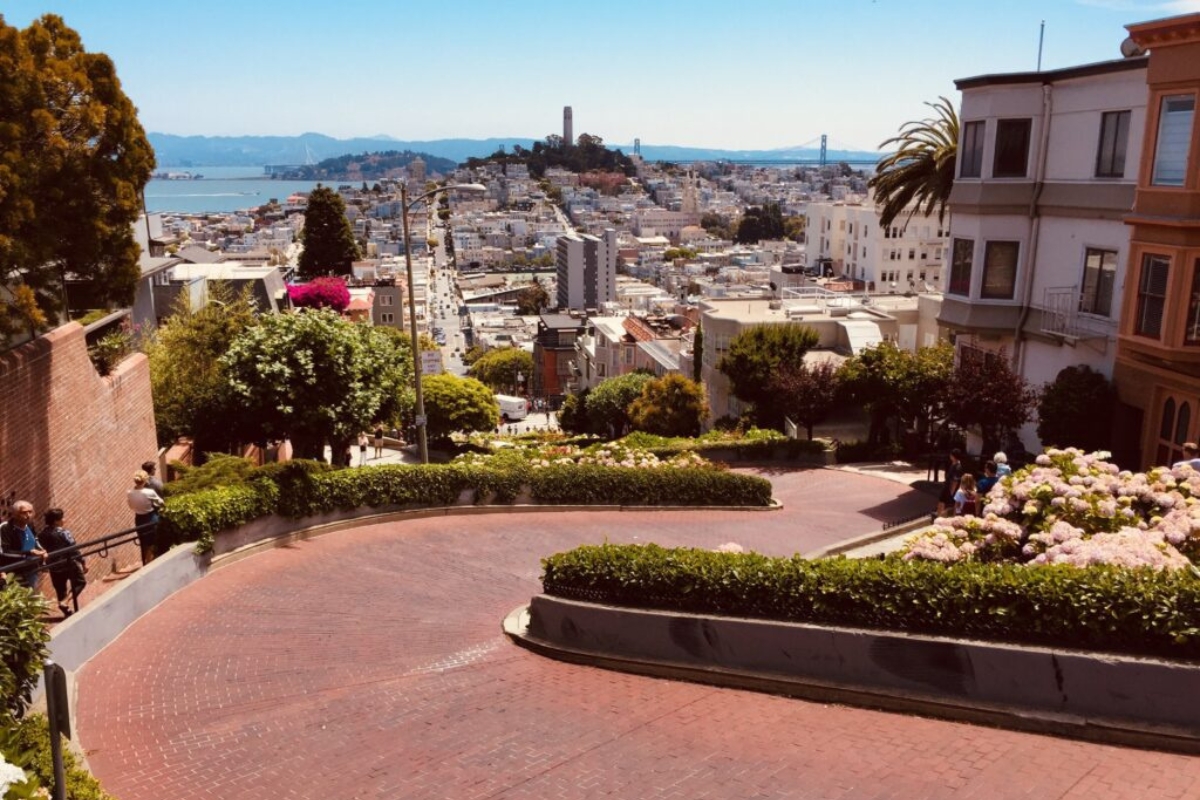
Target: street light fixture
475 188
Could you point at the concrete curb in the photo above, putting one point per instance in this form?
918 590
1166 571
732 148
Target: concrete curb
1028 689
855 542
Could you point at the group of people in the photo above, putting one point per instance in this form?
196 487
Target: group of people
962 491
20 544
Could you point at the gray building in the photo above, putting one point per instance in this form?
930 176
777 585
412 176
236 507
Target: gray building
587 270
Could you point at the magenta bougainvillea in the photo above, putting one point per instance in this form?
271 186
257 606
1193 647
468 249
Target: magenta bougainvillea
327 292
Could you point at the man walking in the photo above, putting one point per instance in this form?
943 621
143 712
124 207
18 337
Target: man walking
18 542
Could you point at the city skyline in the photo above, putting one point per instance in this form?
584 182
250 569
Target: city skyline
670 73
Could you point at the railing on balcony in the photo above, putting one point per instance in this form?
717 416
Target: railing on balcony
1061 317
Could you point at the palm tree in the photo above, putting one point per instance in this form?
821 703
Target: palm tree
917 178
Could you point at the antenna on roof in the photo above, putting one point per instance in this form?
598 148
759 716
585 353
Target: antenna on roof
1041 38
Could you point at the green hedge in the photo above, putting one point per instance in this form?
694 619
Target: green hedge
1107 609
23 639
586 484
301 491
30 738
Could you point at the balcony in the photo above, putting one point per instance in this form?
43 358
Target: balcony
1059 312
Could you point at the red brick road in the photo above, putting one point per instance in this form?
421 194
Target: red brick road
370 664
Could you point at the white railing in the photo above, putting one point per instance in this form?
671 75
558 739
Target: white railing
1061 317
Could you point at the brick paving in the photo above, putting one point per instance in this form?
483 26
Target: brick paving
370 664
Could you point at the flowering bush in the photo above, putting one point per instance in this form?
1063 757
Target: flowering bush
325 292
1075 508
609 454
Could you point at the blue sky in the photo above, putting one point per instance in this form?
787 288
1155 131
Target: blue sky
728 74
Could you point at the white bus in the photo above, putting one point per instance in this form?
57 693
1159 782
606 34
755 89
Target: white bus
512 408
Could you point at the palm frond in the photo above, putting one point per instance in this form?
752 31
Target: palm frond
918 175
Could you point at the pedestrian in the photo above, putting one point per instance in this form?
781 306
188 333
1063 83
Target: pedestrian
1191 457
989 479
379 441
66 569
18 543
145 503
362 449
149 467
1002 467
966 500
954 473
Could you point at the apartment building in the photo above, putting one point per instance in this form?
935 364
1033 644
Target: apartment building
1047 169
907 256
587 270
1157 367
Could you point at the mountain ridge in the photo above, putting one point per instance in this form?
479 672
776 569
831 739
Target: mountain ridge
173 150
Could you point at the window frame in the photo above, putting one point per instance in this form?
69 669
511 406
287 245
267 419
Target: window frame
956 282
973 136
1092 307
1155 178
988 248
1003 148
1111 155
1191 323
1145 300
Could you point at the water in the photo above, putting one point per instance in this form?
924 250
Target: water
222 189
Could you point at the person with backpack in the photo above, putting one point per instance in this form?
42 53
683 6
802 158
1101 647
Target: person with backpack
966 499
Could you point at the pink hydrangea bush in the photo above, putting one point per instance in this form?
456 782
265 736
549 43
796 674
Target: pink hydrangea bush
1071 507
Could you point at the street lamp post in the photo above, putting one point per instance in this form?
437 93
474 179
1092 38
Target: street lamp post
422 440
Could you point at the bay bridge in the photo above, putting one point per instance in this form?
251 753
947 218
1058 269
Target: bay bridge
820 160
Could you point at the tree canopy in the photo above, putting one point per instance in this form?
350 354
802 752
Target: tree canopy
73 162
329 246
188 382
988 393
757 354
454 404
919 175
498 369
670 406
897 385
586 154
608 403
760 223
315 377
532 299
807 393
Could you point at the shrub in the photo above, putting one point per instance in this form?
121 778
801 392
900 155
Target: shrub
23 640
587 484
31 737
1138 611
220 470
197 516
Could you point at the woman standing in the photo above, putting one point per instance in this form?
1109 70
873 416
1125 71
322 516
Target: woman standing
146 504
70 569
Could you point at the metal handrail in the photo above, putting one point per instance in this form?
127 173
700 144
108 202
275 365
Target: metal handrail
99 547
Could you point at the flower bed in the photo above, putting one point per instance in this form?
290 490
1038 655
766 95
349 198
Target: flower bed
1078 509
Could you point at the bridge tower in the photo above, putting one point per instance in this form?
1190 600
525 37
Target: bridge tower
823 141
637 147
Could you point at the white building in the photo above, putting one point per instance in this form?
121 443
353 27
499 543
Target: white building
908 256
1048 166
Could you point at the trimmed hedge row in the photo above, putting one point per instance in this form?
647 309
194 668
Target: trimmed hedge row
1106 609
301 491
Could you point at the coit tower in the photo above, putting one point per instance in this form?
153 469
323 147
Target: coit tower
568 127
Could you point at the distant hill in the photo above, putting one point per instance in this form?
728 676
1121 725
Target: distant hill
363 167
308 148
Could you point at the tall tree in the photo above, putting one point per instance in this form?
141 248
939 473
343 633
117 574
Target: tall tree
758 353
314 377
918 176
670 406
988 393
73 162
329 246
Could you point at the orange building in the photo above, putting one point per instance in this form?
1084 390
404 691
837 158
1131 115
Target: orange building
1157 369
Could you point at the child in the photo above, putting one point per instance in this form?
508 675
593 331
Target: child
965 498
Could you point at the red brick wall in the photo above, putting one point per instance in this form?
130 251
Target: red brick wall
72 439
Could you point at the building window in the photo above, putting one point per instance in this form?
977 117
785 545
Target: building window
387 318
960 267
999 270
1174 137
1099 275
1114 138
1173 431
1152 295
1012 148
971 156
912 253
385 299
1191 335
